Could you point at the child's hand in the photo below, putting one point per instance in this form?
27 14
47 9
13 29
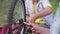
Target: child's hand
27 20
32 19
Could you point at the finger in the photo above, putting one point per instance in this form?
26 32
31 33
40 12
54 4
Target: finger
28 27
33 33
33 30
30 21
37 32
15 31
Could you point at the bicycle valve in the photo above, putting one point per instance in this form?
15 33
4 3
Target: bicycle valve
26 23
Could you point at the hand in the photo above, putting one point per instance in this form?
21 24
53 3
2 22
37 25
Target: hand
34 27
34 31
32 19
37 28
27 19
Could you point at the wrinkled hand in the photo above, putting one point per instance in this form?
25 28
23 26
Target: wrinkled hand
34 28
35 31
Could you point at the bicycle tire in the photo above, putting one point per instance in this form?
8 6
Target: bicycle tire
10 16
11 10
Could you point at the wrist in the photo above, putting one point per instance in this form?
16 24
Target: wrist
35 16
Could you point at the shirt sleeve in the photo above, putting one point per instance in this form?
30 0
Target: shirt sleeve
26 7
46 3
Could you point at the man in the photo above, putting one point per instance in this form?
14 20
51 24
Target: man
55 28
39 9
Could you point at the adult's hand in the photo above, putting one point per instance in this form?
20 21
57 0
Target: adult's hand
39 29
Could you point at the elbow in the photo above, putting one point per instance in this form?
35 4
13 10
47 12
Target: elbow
49 10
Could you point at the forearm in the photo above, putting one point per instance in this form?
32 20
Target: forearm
43 13
43 30
40 29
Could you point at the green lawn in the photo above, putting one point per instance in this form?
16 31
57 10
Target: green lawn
4 6
4 11
54 5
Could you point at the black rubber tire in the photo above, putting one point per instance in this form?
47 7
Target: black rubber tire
11 11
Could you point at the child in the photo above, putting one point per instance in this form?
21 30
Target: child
39 9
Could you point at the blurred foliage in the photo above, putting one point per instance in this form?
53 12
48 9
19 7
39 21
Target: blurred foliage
54 5
1 0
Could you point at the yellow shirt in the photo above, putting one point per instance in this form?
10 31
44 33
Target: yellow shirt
39 20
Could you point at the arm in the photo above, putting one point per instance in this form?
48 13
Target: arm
45 12
40 29
43 30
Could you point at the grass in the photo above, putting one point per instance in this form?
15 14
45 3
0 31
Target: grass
4 7
4 11
54 5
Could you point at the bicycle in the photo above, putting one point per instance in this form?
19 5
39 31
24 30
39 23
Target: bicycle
13 19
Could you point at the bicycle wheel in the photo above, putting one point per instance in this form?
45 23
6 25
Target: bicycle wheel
16 13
